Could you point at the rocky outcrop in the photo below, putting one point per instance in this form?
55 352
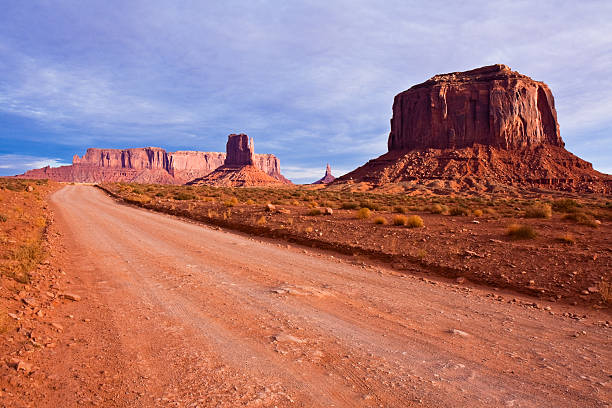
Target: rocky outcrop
486 127
239 169
240 150
327 178
492 106
147 165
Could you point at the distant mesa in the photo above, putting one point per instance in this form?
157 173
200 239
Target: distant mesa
327 178
484 129
147 165
239 169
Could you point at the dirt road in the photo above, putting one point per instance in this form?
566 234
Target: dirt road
178 314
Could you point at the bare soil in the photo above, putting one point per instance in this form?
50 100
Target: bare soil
174 313
472 247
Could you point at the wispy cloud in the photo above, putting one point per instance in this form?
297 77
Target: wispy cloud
12 164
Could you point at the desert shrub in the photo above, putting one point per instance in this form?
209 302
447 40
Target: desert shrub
370 205
539 210
181 195
308 229
380 220
400 220
490 211
477 213
261 220
566 205
363 213
313 204
459 211
295 203
566 238
581 218
350 205
231 202
250 201
3 218
159 194
399 209
414 221
315 211
435 209
518 231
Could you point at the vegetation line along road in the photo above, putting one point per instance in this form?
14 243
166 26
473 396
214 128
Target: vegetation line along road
496 241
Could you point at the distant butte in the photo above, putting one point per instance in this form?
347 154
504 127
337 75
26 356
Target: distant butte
487 129
238 169
146 165
327 178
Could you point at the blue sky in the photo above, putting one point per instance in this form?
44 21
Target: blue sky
313 82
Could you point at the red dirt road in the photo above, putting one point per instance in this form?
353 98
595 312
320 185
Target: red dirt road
179 314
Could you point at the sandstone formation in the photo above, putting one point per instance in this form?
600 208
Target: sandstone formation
486 127
239 169
327 178
146 165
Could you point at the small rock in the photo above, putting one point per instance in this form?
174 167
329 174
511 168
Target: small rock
29 189
459 332
57 326
328 211
585 292
460 279
593 289
283 211
270 207
20 365
71 296
281 338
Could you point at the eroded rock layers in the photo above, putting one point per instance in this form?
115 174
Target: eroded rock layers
487 126
146 165
239 168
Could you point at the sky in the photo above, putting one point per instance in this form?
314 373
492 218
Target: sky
313 82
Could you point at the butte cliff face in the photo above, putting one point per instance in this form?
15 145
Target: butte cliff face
478 129
146 165
492 106
240 167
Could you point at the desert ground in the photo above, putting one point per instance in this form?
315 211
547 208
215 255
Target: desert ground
130 307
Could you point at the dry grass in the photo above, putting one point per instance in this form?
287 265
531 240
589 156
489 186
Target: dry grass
459 211
581 218
363 213
380 220
605 290
314 212
414 221
231 202
350 205
566 238
518 231
399 209
539 210
566 205
477 213
437 208
400 220
261 220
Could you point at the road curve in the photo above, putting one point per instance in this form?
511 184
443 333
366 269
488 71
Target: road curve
180 314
